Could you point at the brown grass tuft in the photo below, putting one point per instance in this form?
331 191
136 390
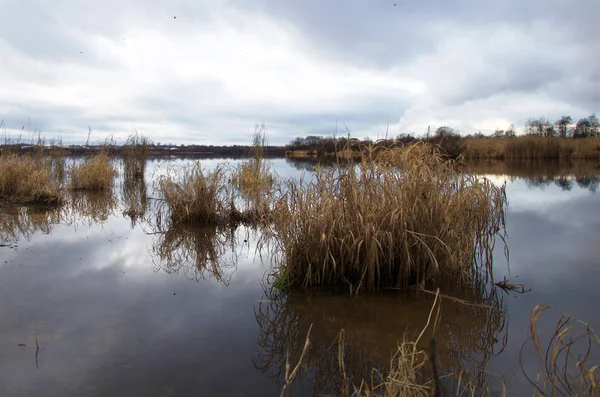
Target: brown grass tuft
378 225
26 179
95 173
135 152
197 196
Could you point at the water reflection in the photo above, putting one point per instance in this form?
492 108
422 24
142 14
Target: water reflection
197 252
100 305
537 174
92 207
467 335
134 192
24 222
78 208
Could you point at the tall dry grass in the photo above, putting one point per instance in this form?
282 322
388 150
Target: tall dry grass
532 148
194 195
397 218
29 179
95 173
135 153
134 191
254 178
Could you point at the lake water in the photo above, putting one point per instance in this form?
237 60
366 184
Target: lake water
93 303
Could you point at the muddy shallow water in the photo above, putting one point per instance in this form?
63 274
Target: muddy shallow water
94 303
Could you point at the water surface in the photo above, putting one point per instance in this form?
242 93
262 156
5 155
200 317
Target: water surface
118 307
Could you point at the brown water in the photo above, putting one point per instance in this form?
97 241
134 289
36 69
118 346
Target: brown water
95 301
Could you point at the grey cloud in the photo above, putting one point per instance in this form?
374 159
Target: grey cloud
557 62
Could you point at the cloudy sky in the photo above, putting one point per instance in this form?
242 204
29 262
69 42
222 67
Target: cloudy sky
193 71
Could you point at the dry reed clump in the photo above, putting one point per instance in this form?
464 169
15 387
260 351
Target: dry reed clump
197 196
135 152
253 178
95 173
27 179
378 225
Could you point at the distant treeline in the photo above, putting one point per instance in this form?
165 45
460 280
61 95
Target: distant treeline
540 139
235 151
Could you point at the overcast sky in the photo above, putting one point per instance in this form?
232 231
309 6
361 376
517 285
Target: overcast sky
193 71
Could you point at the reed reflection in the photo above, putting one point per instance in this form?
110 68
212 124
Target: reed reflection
564 174
199 252
467 336
78 208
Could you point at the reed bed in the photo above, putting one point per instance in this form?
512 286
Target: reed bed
397 218
532 148
29 179
95 173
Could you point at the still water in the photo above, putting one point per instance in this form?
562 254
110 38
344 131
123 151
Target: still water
96 301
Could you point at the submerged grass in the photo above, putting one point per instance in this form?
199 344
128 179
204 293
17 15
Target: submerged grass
565 361
563 354
380 360
95 173
29 179
397 218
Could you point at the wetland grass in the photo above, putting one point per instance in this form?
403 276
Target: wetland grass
134 190
193 195
95 173
135 152
254 178
29 179
397 218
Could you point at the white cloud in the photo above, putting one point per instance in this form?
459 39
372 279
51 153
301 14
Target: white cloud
213 71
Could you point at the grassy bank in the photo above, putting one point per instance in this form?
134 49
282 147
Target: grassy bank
375 225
